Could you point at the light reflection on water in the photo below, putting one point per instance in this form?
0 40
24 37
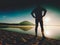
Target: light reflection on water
49 31
52 31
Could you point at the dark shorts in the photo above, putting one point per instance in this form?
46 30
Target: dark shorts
38 20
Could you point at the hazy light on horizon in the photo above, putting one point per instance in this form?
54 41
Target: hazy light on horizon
51 17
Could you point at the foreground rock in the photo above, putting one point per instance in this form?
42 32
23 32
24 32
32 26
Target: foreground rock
14 38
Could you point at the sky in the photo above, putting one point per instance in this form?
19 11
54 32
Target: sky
16 11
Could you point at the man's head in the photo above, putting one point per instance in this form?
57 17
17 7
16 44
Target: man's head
38 6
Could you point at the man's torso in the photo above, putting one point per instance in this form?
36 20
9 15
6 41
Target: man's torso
38 14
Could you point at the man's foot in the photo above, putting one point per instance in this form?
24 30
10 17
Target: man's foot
43 37
35 36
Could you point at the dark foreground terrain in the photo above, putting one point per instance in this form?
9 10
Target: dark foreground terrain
14 38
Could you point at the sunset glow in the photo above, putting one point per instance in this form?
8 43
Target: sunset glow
47 19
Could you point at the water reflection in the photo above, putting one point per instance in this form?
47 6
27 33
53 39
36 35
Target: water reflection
21 30
50 31
26 28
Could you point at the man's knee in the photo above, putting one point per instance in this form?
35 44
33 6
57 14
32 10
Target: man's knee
42 30
36 24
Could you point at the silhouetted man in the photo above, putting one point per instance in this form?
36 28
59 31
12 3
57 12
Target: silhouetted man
38 15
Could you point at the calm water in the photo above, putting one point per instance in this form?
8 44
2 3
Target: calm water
49 31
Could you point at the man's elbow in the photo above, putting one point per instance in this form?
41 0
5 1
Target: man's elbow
31 13
45 11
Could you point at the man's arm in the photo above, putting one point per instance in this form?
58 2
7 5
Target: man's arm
33 14
44 12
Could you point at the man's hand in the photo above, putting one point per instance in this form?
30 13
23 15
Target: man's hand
44 13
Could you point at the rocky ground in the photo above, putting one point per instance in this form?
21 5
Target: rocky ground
14 38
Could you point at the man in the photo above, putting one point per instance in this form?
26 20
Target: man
38 15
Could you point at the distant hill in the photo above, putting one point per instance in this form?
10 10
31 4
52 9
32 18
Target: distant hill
21 23
26 23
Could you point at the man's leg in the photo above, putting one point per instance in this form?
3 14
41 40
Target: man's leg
42 29
36 27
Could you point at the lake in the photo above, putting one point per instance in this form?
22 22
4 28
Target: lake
49 31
